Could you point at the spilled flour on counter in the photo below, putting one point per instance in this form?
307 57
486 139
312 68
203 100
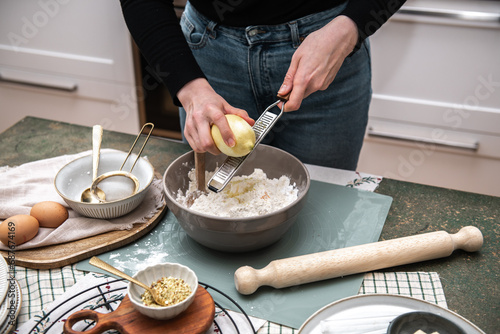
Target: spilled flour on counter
245 196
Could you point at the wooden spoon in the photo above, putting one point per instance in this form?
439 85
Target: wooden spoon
199 167
95 261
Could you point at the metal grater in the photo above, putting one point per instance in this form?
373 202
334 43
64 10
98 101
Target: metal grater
231 165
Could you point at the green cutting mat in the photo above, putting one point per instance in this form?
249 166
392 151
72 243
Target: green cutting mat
334 217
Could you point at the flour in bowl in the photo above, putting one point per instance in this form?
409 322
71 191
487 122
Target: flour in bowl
245 196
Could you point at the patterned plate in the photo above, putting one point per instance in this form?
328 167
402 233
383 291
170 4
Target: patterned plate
4 283
13 306
373 313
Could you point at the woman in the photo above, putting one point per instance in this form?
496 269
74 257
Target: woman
233 56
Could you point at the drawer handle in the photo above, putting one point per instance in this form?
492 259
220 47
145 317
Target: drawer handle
31 79
470 16
473 145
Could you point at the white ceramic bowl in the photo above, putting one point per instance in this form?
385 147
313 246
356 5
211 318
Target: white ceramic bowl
154 273
76 176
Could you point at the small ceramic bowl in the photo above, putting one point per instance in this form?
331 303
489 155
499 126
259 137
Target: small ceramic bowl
412 322
76 176
152 274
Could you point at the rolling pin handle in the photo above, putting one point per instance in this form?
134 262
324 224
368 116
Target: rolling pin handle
469 238
246 280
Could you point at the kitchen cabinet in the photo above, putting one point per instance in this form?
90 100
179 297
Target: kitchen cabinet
435 112
69 61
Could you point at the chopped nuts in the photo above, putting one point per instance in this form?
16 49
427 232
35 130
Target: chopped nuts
171 290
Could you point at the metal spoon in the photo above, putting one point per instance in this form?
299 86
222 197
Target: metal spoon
97 262
120 172
87 195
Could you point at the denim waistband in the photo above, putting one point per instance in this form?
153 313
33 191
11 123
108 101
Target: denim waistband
293 31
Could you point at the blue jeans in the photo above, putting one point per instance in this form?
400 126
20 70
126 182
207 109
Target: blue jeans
247 66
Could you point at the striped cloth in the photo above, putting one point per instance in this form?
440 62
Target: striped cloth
41 287
421 285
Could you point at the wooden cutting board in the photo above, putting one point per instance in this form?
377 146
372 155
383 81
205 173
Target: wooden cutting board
56 256
196 319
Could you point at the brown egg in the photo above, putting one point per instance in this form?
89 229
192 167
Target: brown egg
49 214
17 230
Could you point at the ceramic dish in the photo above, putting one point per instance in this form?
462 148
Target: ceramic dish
12 304
76 176
4 283
426 322
238 234
373 313
152 274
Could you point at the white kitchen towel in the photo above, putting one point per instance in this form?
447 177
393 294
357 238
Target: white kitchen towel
23 186
347 178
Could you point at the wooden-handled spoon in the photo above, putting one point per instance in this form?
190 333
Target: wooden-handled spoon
199 167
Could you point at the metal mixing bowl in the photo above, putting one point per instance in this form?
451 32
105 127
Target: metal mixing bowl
238 234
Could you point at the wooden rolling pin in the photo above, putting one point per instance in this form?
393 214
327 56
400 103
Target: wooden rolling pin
357 259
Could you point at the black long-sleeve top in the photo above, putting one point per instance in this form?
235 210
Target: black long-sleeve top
155 27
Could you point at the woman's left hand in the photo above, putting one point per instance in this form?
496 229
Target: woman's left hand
317 60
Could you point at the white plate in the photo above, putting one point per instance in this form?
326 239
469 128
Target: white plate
13 308
373 313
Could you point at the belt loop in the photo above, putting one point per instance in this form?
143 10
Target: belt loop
211 28
294 30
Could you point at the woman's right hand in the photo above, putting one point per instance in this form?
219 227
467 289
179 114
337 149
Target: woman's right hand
205 107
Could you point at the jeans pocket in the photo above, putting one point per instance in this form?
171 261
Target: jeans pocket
195 33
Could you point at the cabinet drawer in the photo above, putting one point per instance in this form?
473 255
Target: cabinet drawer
66 85
412 162
436 138
70 61
433 155
438 61
67 107
76 38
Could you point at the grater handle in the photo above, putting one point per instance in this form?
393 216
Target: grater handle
284 98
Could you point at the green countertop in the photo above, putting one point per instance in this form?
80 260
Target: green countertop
470 280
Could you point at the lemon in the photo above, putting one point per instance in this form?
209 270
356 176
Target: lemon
243 133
